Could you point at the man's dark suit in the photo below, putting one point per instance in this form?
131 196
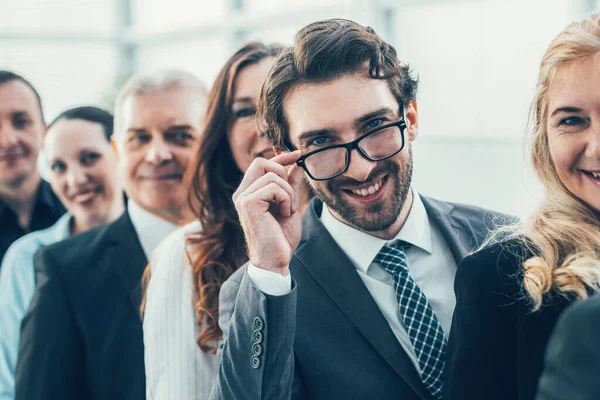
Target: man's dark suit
573 358
82 336
327 339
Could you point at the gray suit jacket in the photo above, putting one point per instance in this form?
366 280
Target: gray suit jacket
573 357
327 339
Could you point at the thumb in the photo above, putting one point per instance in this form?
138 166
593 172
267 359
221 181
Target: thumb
295 179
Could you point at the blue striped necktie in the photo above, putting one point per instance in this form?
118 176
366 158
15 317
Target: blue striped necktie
417 316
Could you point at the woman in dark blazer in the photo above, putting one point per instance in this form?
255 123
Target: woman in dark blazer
511 292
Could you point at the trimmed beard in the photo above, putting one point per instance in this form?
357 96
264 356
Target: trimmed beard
373 217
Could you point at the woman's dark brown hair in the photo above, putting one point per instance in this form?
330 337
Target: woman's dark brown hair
213 176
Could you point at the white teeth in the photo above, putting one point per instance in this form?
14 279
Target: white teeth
596 175
368 191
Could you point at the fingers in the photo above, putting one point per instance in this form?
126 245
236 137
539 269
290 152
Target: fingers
286 205
261 200
287 158
261 167
295 179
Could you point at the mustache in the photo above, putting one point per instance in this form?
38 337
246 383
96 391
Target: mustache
385 167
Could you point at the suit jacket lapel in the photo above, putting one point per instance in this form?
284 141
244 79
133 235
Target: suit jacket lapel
334 272
127 258
456 229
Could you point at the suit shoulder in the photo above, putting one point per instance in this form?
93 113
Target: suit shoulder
474 214
496 267
583 313
491 218
78 249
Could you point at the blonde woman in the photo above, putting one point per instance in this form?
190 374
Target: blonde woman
510 294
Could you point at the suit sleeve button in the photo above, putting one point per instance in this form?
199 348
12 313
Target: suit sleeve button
254 362
258 323
258 336
256 349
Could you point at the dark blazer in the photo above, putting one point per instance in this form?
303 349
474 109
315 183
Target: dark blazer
497 344
572 368
82 335
327 339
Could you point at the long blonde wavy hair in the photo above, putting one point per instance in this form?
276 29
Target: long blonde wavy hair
564 232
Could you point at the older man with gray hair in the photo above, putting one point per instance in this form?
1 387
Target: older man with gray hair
82 336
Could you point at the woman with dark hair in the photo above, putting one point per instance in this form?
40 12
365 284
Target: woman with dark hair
80 158
181 331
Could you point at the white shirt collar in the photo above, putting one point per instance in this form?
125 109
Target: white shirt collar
151 230
63 227
361 248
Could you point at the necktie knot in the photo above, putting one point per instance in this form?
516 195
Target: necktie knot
392 257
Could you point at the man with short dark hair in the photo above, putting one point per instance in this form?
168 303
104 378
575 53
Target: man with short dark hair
354 300
27 202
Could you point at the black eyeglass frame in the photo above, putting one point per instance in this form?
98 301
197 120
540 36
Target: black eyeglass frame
401 123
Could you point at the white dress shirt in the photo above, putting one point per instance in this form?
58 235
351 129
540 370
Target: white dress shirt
176 368
151 229
430 263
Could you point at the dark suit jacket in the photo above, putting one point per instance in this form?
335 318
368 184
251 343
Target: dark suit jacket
572 368
82 335
497 344
327 339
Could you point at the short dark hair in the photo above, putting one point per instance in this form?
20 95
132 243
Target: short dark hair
9 76
91 114
324 51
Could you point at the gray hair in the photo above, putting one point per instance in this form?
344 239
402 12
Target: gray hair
152 83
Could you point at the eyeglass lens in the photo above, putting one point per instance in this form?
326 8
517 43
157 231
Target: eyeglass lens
377 146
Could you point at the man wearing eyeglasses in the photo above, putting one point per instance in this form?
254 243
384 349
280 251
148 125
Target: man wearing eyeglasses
354 300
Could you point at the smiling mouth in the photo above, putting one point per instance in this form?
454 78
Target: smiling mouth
87 196
594 176
11 155
370 191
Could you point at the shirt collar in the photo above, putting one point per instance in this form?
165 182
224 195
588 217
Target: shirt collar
62 227
416 231
151 230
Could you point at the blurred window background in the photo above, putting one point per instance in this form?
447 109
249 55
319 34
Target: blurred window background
477 62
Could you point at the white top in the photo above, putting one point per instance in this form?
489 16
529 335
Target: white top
430 263
176 368
151 229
